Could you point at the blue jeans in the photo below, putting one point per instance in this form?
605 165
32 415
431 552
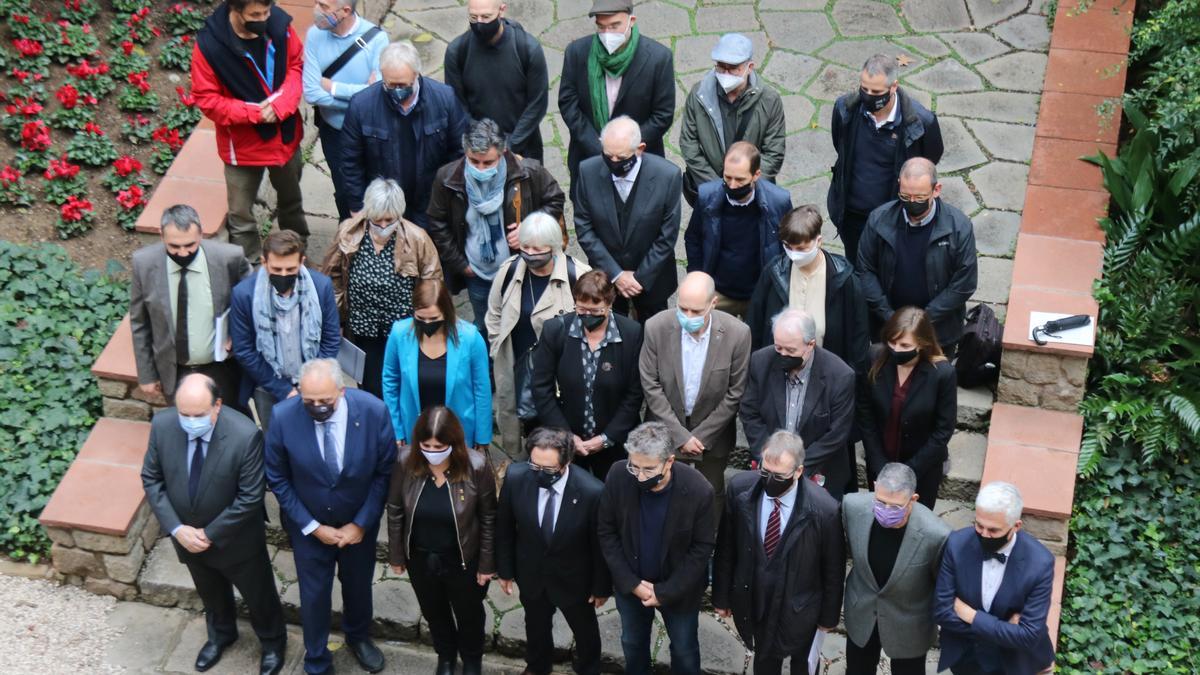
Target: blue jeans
637 622
478 291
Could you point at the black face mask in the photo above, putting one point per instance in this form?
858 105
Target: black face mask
283 283
259 28
592 321
320 412
428 328
875 102
546 480
993 544
788 363
915 209
775 488
486 31
536 260
903 357
649 484
739 193
621 167
184 260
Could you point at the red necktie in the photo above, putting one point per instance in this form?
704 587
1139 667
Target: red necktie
771 540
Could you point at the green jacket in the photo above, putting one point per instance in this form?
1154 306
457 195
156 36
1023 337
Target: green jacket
702 141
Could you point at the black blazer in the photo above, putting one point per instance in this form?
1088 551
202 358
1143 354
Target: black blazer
571 567
557 380
229 502
926 421
825 420
647 244
647 95
689 535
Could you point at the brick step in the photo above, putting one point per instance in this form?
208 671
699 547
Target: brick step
975 409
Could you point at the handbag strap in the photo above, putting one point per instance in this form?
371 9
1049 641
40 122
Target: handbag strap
359 44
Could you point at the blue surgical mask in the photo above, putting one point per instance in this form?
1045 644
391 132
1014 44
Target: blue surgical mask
195 427
480 175
324 21
690 324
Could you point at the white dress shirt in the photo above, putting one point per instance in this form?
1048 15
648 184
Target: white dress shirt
625 183
612 87
992 575
338 424
544 493
694 351
786 502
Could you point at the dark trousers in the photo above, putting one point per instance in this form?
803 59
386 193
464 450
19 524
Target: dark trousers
263 403
255 580
637 623
316 563
227 374
539 634
241 186
864 660
928 484
452 604
850 231
598 463
643 306
477 292
331 147
374 348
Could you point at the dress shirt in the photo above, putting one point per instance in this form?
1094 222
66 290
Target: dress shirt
191 451
786 502
993 575
745 202
625 183
559 487
693 351
612 87
201 321
796 387
321 49
891 118
807 291
338 422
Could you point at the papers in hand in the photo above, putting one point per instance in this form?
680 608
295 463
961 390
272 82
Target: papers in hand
352 360
221 337
814 654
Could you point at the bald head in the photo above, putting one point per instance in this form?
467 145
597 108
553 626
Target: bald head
919 186
197 395
697 297
621 137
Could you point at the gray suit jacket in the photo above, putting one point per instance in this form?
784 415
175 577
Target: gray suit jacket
229 501
904 606
150 314
722 382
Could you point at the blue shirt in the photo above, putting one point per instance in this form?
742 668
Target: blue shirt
191 451
337 425
323 47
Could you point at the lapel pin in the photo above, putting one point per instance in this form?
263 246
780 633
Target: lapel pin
574 501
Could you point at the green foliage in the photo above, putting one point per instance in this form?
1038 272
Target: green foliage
176 54
1132 604
54 321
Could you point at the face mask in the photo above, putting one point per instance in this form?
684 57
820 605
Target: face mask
691 324
916 209
257 27
384 232
401 94
486 31
320 412
480 175
537 260
435 458
789 363
195 427
546 480
889 518
612 41
591 321
803 258
428 328
283 283
875 102
993 544
775 488
739 193
324 21
621 167
729 82
184 260
649 484
903 357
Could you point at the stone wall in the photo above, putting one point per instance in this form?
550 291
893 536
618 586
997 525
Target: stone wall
105 564
1039 380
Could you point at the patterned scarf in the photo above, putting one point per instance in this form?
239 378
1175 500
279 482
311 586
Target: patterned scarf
267 302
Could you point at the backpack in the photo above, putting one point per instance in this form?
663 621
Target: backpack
980 349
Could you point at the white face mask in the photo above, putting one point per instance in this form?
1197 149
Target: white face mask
613 41
435 458
384 232
729 82
803 258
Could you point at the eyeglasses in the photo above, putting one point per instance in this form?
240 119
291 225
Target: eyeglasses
777 477
914 198
890 508
543 469
639 472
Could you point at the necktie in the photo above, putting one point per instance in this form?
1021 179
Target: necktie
331 461
771 540
995 556
194 472
182 350
548 516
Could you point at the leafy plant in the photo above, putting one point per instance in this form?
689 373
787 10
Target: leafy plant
184 20
131 200
137 129
176 54
63 181
137 95
92 147
125 173
14 191
74 217
79 11
73 42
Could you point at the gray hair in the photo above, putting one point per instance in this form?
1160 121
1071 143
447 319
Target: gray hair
329 367
897 477
627 127
651 439
881 64
540 229
352 4
782 444
918 167
795 320
401 53
483 135
1000 497
181 217
384 198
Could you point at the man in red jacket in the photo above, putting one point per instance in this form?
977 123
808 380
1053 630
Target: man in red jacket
246 77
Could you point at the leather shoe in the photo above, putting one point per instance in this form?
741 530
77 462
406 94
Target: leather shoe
368 655
472 666
271 663
209 655
445 666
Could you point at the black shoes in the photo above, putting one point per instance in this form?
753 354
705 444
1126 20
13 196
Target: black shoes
209 655
271 663
472 666
445 666
368 655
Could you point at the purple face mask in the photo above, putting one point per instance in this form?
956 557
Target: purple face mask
889 517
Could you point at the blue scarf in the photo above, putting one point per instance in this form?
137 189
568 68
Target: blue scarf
485 201
267 303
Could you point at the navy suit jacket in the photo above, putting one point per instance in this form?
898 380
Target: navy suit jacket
1020 649
297 474
244 336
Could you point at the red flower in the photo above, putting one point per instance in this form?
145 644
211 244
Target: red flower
168 136
9 175
93 129
89 99
27 48
31 109
20 75
72 4
20 18
185 39
74 209
68 96
125 165
61 169
35 136
132 198
140 80
127 47
185 97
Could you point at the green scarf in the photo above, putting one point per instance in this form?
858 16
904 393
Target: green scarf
600 62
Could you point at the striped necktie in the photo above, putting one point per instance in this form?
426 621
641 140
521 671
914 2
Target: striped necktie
771 540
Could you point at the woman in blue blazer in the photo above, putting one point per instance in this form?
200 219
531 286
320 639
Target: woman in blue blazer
435 359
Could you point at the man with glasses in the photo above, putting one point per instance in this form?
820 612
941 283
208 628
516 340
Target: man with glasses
779 564
875 129
889 598
546 541
919 251
656 530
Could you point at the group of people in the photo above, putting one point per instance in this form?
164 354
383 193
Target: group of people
578 429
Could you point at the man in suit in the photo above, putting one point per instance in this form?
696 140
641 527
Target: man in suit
993 592
612 73
203 476
186 273
329 460
779 563
546 541
657 533
281 316
799 387
627 218
693 369
896 547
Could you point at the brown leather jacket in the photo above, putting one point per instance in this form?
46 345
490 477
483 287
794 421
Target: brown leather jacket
474 503
415 256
